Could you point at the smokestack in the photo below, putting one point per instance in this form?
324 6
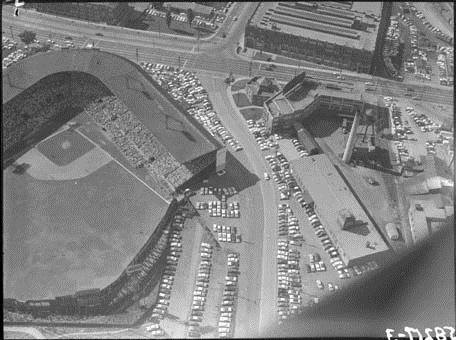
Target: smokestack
351 139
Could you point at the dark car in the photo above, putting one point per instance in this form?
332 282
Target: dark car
99 34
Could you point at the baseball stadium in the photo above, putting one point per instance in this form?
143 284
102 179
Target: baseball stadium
94 155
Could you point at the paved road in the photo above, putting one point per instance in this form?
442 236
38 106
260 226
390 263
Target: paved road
214 55
235 123
28 330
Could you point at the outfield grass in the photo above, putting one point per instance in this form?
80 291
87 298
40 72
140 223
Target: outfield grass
241 99
64 236
254 113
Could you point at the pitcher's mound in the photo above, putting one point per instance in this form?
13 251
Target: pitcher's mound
66 145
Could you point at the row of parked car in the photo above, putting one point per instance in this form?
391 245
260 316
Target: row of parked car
299 147
315 263
437 31
332 287
264 141
445 74
425 123
164 293
289 298
226 233
8 43
200 291
289 225
230 293
210 190
327 243
186 88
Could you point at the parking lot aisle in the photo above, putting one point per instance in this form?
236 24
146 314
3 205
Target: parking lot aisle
181 296
214 295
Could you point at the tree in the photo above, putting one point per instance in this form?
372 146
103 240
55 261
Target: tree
27 37
168 18
190 16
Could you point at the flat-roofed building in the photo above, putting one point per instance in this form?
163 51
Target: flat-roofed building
310 97
427 214
321 32
353 233
183 7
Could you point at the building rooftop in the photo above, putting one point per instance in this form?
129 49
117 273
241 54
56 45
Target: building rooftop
184 6
281 105
331 195
356 27
420 228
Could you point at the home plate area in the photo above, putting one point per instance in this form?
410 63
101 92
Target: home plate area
65 147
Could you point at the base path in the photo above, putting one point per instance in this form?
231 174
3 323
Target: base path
44 169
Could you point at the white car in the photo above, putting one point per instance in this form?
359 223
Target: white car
320 284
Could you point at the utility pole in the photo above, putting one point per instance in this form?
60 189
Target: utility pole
179 62
250 68
198 39
11 29
137 55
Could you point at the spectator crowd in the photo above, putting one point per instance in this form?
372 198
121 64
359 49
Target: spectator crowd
39 106
141 148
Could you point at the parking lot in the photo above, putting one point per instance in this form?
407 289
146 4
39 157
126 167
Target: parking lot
186 88
416 133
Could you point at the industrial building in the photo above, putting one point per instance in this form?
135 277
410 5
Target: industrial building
427 214
339 34
183 7
101 12
353 233
311 98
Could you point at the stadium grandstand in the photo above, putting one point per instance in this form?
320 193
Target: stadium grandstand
69 81
339 34
43 92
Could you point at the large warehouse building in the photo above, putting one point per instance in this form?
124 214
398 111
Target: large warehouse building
347 224
342 34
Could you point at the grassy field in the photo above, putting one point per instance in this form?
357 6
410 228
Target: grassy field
241 99
239 85
254 113
63 236
65 147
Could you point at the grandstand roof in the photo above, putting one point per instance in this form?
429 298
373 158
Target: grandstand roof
184 138
331 195
322 21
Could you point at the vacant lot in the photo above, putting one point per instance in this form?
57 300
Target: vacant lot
254 113
65 147
241 99
63 236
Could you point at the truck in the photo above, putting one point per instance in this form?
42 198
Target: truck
392 231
